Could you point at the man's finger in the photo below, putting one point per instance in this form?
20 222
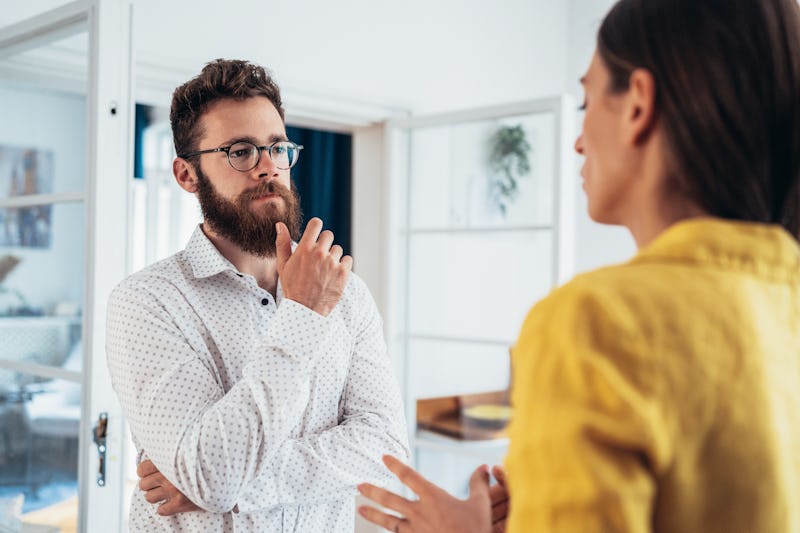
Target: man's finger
311 233
283 245
156 495
176 505
347 263
336 252
152 481
385 498
408 476
325 240
145 468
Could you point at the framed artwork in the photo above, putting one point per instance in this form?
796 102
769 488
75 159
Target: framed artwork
24 172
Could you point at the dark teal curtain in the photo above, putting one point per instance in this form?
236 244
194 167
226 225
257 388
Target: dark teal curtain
323 179
140 122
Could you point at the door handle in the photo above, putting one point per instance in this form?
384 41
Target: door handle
99 438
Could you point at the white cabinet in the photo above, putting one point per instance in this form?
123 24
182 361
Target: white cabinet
470 260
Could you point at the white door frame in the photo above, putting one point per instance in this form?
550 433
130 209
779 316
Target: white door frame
105 202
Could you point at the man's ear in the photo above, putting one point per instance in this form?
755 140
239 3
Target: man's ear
184 174
640 112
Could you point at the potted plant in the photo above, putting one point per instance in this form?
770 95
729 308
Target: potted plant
508 162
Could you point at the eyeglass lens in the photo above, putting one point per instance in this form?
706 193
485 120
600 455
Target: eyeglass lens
244 156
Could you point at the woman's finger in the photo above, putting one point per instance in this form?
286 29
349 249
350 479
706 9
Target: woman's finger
410 477
386 521
500 511
385 498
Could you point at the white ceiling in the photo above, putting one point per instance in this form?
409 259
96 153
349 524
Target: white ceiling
417 55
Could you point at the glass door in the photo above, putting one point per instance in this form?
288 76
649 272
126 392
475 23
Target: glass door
483 231
64 85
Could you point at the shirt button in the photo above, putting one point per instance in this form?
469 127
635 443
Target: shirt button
264 301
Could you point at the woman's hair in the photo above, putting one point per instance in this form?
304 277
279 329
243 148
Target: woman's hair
727 76
219 79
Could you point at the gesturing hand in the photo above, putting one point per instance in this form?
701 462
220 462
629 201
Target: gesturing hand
316 273
157 488
498 494
436 511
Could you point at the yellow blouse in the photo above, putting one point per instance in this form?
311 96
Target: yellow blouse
663 394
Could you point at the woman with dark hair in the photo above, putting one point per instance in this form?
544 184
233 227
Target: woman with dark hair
663 394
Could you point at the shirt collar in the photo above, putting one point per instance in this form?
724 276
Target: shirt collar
206 261
763 249
204 258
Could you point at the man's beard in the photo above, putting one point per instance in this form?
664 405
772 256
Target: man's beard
252 230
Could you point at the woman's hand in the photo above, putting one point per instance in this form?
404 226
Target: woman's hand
435 511
498 494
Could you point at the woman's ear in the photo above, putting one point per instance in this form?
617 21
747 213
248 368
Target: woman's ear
641 106
184 175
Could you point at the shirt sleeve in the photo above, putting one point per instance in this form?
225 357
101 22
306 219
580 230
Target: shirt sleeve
328 465
589 435
210 444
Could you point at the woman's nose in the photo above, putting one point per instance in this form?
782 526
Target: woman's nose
579 144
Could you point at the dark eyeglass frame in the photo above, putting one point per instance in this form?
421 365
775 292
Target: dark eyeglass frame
267 147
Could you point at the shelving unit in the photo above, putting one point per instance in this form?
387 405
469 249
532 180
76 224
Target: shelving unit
469 272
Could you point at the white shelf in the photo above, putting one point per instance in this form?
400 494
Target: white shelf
465 340
30 200
482 229
428 440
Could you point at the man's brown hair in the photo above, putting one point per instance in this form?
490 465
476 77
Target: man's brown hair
219 79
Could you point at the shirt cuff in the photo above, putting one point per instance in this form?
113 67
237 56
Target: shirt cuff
298 331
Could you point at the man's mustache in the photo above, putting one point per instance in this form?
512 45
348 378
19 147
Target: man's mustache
263 188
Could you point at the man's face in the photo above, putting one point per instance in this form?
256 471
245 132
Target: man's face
243 207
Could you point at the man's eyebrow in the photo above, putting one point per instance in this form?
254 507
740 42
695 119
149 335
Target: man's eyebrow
249 138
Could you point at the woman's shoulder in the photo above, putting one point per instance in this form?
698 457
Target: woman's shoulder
622 298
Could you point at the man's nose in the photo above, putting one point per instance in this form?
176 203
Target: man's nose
266 168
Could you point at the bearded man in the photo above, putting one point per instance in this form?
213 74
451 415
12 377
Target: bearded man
251 366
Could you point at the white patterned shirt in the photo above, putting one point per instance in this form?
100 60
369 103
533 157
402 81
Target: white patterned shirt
251 402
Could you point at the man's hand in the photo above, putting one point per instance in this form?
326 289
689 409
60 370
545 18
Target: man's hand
316 273
157 488
435 511
498 494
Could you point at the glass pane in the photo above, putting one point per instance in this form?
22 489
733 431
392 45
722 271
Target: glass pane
39 454
45 280
477 285
451 467
43 131
445 368
490 173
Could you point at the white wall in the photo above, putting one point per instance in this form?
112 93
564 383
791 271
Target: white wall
56 122
595 244
417 54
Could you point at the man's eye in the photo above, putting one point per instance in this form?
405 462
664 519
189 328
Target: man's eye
237 154
279 149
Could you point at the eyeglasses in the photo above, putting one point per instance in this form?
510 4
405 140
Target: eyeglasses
244 156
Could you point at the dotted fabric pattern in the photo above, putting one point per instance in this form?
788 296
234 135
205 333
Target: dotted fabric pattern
248 401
